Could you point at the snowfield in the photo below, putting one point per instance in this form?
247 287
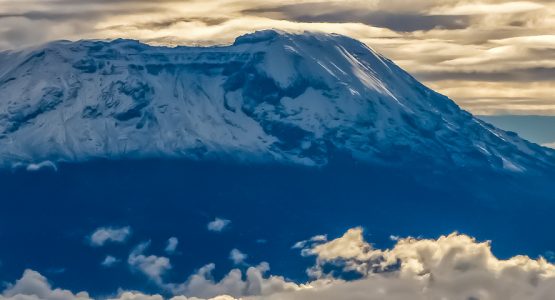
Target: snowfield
269 97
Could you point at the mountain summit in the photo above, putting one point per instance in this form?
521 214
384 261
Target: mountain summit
270 96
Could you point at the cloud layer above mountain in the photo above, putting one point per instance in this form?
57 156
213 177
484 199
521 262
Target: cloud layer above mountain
451 267
490 56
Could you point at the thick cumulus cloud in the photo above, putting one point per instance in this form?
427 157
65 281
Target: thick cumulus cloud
451 267
34 286
252 283
453 45
441 259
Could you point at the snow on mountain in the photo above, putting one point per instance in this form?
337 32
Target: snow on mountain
271 96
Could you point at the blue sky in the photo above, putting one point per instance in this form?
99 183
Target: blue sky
537 129
178 228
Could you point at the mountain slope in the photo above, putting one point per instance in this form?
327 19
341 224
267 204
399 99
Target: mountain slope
271 96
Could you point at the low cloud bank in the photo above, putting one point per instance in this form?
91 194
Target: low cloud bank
455 266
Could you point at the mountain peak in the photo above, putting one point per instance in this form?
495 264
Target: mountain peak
315 37
259 36
271 96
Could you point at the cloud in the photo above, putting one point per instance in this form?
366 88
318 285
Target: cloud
450 267
109 234
485 98
128 295
504 42
237 257
477 8
350 246
171 246
34 286
218 225
331 12
421 258
454 266
311 241
109 261
154 267
235 283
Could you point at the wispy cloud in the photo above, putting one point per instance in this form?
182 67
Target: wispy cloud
171 245
109 261
487 8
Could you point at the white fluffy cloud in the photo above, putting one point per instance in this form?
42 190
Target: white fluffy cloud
150 265
454 267
451 267
237 257
128 295
140 296
34 286
253 283
218 225
109 234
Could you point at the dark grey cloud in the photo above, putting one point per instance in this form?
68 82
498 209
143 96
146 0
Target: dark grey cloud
326 12
74 14
170 22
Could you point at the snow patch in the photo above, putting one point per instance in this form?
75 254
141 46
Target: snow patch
45 165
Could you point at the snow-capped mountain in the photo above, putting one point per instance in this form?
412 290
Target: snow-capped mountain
270 96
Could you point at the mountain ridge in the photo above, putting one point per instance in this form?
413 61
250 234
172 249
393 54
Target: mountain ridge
269 96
